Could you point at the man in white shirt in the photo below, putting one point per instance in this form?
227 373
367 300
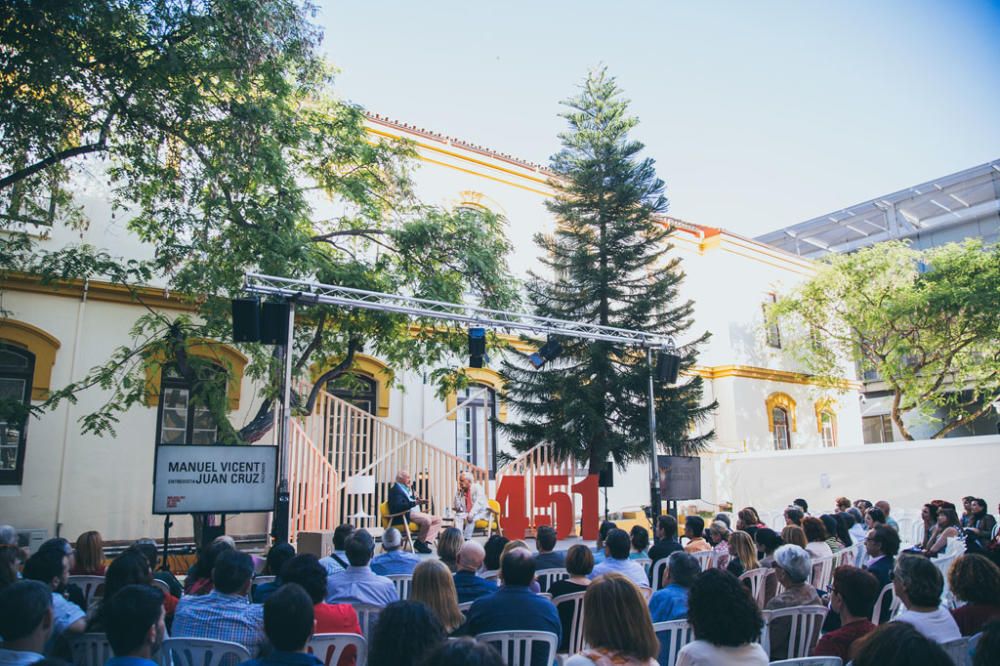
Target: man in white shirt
469 505
25 622
616 552
918 584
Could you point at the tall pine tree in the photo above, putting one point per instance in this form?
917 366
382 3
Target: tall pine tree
607 264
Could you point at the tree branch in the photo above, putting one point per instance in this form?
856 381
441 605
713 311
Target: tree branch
353 347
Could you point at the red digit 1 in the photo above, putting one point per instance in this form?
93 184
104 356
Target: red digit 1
589 518
562 502
513 513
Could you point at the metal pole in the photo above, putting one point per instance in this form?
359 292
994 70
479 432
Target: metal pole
281 511
654 472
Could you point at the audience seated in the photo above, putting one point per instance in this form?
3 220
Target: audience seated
288 624
988 649
794 515
873 517
199 577
794 535
358 584
802 504
718 536
748 521
276 559
468 584
509 546
394 560
742 553
844 523
514 607
665 540
882 546
548 557
493 550
694 528
433 586
306 571
975 581
73 593
768 541
726 622
815 534
135 626
947 528
885 508
852 597
928 514
26 622
616 551
225 613
602 533
671 601
793 568
919 584
898 644
980 524
51 568
10 564
640 542
406 632
463 652
8 535
336 561
129 568
579 564
842 504
616 625
148 548
89 555
858 529
449 542
832 540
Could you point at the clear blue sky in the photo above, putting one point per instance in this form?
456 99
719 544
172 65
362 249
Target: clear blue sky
759 114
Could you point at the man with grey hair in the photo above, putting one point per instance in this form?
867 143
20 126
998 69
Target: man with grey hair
918 583
8 535
394 560
402 499
793 569
469 585
470 504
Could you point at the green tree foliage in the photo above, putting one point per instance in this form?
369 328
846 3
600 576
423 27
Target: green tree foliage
215 125
928 322
608 263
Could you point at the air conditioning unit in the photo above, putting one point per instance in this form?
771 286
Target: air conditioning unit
31 539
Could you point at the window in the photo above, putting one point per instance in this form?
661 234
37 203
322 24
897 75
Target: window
476 428
828 429
359 390
877 429
348 435
17 367
782 434
181 420
772 332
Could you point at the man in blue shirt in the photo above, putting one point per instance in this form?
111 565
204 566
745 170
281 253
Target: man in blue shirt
288 623
25 622
50 567
616 551
547 557
468 585
394 560
135 625
671 602
337 560
359 584
514 607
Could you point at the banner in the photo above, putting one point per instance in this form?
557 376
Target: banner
680 477
214 479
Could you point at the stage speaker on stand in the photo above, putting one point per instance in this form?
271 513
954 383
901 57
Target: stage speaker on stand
606 479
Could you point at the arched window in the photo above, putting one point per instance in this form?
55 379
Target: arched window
781 432
179 418
476 430
17 368
828 428
357 389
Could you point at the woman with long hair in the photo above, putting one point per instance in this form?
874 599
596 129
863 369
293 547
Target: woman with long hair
616 625
129 568
434 587
742 553
579 564
726 623
928 513
947 528
89 555
816 535
830 524
448 544
794 535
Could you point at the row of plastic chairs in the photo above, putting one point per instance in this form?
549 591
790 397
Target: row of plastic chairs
93 586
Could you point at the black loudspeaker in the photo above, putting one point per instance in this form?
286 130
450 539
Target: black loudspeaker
607 475
667 367
246 320
274 323
477 347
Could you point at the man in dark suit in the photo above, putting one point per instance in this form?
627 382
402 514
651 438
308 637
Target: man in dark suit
468 585
402 498
547 557
666 542
882 545
515 607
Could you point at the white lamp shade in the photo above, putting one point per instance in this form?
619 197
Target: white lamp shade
361 484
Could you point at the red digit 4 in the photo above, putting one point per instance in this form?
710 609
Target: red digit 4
510 496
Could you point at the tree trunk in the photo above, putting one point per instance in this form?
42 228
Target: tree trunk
897 416
947 428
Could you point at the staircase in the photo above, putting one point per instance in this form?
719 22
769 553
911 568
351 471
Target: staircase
340 448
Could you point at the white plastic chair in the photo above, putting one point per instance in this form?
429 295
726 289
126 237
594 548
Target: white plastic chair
90 585
645 562
822 572
545 595
658 570
758 583
805 623
161 586
706 559
576 641
492 575
201 652
328 648
958 651
90 649
973 645
465 606
810 661
893 605
517 648
673 635
403 583
261 580
367 617
546 577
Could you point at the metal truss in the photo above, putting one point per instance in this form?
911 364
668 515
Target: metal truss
303 292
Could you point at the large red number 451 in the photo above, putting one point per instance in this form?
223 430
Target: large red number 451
514 514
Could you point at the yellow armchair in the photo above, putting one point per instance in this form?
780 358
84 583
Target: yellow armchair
494 521
407 527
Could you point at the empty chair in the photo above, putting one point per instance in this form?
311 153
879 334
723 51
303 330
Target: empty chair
803 632
810 661
403 583
673 636
328 648
878 616
367 617
958 650
522 648
758 583
570 607
546 577
91 649
92 587
202 652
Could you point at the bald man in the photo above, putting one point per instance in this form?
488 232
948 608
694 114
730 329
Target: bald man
470 586
402 498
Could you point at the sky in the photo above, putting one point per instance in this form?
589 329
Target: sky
759 114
